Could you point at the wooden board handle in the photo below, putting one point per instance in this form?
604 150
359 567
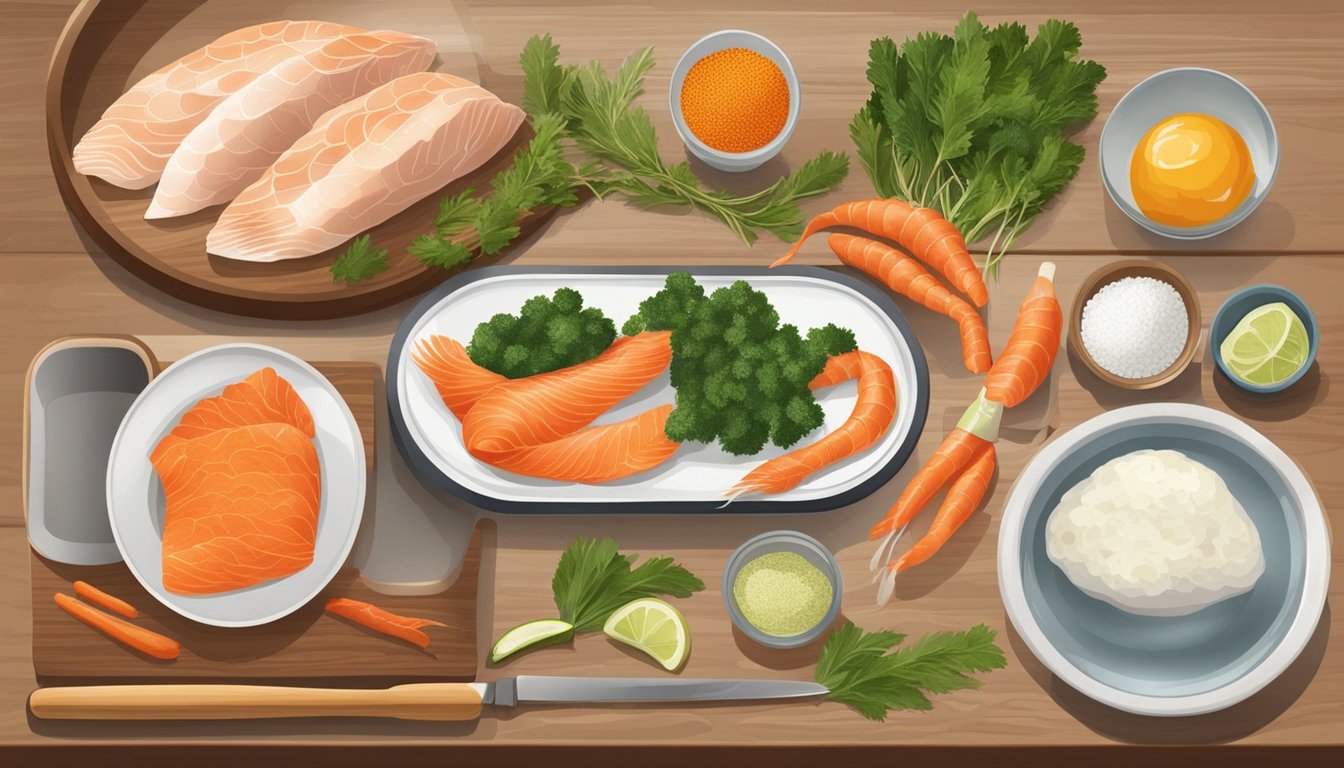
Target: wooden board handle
418 701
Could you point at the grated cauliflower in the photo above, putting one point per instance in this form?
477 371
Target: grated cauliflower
1155 533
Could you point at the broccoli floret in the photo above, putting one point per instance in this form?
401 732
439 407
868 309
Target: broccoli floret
741 377
548 333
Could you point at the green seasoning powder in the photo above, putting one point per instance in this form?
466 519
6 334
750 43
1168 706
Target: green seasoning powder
782 594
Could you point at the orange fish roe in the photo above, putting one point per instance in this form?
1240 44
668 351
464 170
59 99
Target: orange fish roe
735 100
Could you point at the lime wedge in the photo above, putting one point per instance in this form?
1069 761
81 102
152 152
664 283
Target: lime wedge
1268 346
533 634
653 627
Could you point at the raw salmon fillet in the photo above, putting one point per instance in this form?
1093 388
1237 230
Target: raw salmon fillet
597 454
130 145
243 136
458 380
363 163
540 409
242 506
241 482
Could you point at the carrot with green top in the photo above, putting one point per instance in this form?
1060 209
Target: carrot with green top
922 231
904 275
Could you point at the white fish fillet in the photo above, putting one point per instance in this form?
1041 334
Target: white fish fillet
243 136
131 143
362 164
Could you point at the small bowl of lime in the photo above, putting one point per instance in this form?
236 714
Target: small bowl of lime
1264 338
782 589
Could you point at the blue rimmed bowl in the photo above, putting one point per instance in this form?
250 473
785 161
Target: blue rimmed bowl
1168 665
1237 306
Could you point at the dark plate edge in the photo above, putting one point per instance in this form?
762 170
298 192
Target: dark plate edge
427 472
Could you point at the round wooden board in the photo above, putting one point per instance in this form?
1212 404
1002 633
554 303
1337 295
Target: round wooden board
108 45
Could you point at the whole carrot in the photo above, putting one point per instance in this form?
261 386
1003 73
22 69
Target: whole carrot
100 598
1031 347
905 276
958 450
368 615
146 641
922 231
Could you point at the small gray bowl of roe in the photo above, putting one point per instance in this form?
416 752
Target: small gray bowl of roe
734 99
782 589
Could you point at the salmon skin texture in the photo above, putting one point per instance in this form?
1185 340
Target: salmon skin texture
243 136
242 488
362 163
130 144
538 426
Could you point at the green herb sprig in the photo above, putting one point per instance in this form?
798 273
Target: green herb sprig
861 669
359 262
974 125
593 579
600 114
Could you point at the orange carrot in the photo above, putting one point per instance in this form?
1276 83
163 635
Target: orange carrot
872 416
1032 346
962 499
959 448
143 640
922 231
103 600
365 614
905 276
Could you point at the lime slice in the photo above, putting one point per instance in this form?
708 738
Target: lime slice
533 634
653 627
1268 346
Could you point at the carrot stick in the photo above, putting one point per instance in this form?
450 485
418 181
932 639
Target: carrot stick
922 231
147 642
368 615
958 449
905 276
105 601
1032 346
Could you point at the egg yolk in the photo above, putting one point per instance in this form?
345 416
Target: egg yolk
1190 170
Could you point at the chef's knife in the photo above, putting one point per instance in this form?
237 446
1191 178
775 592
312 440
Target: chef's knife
415 701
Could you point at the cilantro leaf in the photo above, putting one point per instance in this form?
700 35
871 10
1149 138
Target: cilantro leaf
359 262
862 670
593 579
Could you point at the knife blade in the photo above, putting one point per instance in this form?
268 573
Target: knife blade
545 689
443 702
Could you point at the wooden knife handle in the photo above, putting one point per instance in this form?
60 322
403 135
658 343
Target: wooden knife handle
417 701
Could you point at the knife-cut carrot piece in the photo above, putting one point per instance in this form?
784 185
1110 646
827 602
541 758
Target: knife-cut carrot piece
146 641
406 628
105 601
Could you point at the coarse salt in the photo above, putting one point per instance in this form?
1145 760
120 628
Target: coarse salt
1135 327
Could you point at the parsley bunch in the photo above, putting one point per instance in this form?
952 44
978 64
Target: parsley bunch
974 125
861 669
600 115
741 377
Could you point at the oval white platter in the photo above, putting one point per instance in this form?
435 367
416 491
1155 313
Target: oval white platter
695 478
135 496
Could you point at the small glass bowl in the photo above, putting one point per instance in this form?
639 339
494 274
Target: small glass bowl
782 541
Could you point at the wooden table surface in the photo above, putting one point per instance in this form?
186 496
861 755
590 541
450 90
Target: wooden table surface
55 284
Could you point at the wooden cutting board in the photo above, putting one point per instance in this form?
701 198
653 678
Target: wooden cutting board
107 46
306 646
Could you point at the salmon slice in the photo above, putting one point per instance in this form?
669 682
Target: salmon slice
241 508
520 413
458 380
130 145
597 454
363 163
264 397
235 144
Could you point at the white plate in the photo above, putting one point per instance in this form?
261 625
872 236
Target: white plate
135 495
697 475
